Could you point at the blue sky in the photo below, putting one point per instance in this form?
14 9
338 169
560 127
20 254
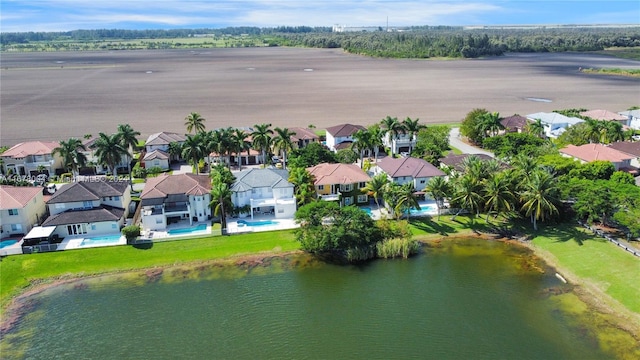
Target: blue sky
64 15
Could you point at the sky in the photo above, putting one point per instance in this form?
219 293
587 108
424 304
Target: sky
65 15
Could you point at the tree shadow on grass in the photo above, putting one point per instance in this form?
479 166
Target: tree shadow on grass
564 232
427 225
143 245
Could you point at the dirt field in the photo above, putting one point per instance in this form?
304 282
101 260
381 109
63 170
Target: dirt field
53 96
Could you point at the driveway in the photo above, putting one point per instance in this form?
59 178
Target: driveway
456 142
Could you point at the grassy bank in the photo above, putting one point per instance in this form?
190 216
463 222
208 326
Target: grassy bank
620 72
18 272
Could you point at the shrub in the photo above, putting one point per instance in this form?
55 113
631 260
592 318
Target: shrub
397 248
66 177
131 232
394 229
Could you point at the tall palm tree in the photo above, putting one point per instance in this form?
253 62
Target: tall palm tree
540 197
221 202
392 128
594 130
109 151
612 132
193 148
194 121
523 167
412 127
71 154
282 142
261 137
497 193
227 136
376 139
439 189
468 195
128 139
407 200
362 141
376 187
304 185
489 123
241 141
535 128
175 150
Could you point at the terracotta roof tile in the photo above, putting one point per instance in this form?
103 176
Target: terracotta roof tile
327 174
343 130
16 197
31 148
593 152
166 185
409 166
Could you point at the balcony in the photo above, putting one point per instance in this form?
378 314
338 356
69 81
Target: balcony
176 208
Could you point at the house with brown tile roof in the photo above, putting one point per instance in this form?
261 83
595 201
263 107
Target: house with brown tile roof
592 152
303 136
27 158
514 123
408 170
89 208
340 182
162 141
455 162
341 135
630 147
174 198
21 207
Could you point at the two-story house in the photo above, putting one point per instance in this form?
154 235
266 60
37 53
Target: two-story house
89 208
408 170
303 136
630 147
32 158
341 136
21 207
592 152
340 182
266 191
93 165
174 198
156 149
633 118
554 124
606 115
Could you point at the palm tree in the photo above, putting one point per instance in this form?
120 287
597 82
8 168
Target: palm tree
70 152
194 121
439 189
376 187
175 150
523 167
407 200
129 141
361 142
282 142
497 193
241 143
228 144
535 128
376 139
261 137
612 132
412 127
594 130
467 195
304 185
392 128
221 202
540 197
109 151
489 123
193 148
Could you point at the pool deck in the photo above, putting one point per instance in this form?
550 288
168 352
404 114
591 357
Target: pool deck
14 249
70 243
163 235
283 224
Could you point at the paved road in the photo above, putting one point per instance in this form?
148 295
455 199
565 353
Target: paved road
456 142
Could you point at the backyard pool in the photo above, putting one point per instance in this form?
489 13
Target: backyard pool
257 223
424 210
101 241
5 243
200 227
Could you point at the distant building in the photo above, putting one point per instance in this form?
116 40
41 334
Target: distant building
554 124
343 28
32 158
341 136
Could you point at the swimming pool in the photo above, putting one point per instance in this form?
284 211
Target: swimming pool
5 243
257 223
424 210
101 241
200 227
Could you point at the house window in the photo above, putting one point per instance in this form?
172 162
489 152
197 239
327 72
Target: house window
158 220
348 200
362 198
421 181
116 198
320 187
156 162
87 204
16 227
93 227
77 229
361 185
13 211
346 187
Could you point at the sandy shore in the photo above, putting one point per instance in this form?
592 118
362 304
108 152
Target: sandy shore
53 96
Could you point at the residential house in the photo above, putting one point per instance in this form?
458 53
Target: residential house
341 136
93 165
454 163
408 170
266 191
399 143
554 124
252 157
340 182
174 198
303 136
32 158
156 158
633 118
161 141
630 147
21 207
514 123
592 152
89 208
606 115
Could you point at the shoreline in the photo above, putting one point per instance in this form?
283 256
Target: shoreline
586 292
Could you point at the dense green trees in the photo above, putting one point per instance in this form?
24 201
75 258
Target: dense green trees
311 155
109 150
71 153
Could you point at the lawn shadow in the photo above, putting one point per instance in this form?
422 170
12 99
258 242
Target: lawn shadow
143 244
566 232
427 225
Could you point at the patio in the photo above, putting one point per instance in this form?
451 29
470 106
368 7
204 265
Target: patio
260 222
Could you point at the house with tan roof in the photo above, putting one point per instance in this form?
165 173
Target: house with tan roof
408 170
303 136
606 115
175 198
156 158
341 136
162 141
340 182
21 207
592 152
264 191
32 158
88 208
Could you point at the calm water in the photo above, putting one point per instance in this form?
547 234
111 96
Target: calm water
477 301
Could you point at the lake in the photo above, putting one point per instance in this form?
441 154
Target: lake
458 300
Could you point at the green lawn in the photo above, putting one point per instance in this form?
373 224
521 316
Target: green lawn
17 272
596 260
